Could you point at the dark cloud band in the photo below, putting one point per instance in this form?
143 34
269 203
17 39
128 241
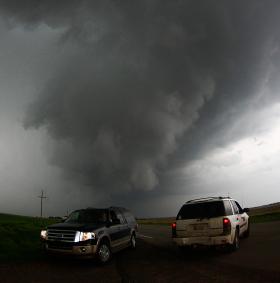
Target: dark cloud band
150 84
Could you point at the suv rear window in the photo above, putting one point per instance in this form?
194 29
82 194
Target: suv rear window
201 210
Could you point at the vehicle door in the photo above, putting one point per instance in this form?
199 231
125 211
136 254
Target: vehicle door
237 217
126 229
244 218
116 228
131 222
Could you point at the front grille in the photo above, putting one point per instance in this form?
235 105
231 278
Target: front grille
61 235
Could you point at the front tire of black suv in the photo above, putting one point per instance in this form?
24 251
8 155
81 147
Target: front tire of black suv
104 253
133 241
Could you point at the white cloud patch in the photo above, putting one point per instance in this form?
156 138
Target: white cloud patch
241 167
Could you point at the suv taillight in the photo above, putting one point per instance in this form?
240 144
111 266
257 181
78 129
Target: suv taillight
173 226
226 226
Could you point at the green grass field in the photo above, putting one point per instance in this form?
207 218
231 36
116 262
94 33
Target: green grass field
268 217
20 237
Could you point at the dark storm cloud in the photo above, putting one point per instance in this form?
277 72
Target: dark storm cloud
147 84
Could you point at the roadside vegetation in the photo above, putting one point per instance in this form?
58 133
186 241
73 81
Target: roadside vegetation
156 221
265 217
20 236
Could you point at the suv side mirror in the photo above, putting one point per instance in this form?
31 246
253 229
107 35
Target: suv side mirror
246 210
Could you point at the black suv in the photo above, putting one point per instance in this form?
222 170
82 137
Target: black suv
92 232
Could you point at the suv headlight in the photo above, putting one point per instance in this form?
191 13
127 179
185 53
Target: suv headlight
44 234
84 236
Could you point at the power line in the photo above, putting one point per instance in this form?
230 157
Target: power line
42 197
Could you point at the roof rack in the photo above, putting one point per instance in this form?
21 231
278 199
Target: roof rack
207 198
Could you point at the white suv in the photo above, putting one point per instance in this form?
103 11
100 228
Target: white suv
212 221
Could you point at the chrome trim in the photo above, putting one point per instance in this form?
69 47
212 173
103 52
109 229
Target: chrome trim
61 235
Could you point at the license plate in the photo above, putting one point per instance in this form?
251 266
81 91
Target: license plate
199 226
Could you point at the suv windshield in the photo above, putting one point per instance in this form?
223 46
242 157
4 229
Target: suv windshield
202 210
88 216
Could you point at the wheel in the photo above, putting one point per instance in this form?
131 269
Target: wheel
104 252
133 241
235 245
247 232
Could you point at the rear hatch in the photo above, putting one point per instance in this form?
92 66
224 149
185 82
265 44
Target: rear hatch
200 219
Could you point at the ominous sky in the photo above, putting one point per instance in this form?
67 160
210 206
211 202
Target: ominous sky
143 104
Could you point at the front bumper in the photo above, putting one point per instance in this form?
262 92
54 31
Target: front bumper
206 241
87 250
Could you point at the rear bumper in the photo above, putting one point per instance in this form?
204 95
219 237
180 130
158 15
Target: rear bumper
206 241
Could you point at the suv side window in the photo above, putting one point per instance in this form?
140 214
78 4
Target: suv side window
128 217
114 216
228 208
120 216
235 207
239 207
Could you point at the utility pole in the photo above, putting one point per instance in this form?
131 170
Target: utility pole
42 197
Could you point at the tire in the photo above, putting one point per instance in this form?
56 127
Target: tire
247 232
133 241
104 253
235 245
